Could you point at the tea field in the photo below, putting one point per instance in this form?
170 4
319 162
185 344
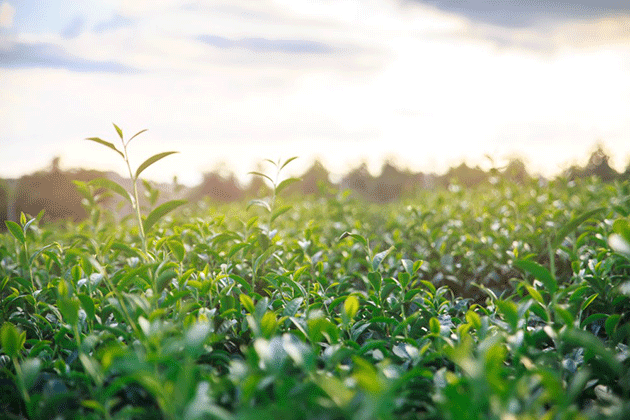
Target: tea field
501 302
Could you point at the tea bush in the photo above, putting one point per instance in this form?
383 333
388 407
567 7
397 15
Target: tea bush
502 302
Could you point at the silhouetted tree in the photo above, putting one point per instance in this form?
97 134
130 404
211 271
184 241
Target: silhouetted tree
515 171
466 176
217 188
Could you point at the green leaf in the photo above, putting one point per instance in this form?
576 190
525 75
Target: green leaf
12 340
30 370
289 181
69 308
573 225
280 212
240 280
88 305
535 294
136 135
28 224
434 325
509 311
375 279
378 258
164 278
111 185
286 162
119 131
259 203
82 188
16 231
177 248
160 212
474 319
539 272
260 174
247 303
150 161
356 236
591 343
107 144
268 324
351 306
611 324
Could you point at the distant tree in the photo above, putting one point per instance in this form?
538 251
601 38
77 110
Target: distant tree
316 180
52 191
598 166
466 176
359 180
515 171
4 204
217 188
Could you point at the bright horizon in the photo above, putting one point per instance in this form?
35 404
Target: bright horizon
421 83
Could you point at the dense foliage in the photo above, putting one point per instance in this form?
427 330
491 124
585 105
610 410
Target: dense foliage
501 302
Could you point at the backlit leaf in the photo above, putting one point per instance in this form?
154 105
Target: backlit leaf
150 161
106 144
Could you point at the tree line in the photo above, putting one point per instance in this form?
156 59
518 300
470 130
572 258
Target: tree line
54 191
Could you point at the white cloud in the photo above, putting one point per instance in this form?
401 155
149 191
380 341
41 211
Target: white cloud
7 12
415 82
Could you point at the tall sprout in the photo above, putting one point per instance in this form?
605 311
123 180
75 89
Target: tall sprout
158 212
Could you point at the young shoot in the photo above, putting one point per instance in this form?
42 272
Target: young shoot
158 212
276 187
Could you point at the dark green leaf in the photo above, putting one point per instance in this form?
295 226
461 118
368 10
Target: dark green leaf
540 273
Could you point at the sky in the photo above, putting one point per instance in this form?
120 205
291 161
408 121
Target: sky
229 83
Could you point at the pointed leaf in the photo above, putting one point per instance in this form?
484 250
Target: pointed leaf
136 135
280 212
10 339
259 203
281 186
572 225
160 211
356 236
119 131
539 272
150 161
16 231
82 188
378 258
351 306
107 144
111 185
286 162
263 176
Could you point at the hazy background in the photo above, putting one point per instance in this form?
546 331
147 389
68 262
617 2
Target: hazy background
428 84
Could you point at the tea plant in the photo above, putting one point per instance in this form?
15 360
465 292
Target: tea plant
134 199
503 302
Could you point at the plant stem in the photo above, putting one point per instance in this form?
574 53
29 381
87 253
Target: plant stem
136 203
